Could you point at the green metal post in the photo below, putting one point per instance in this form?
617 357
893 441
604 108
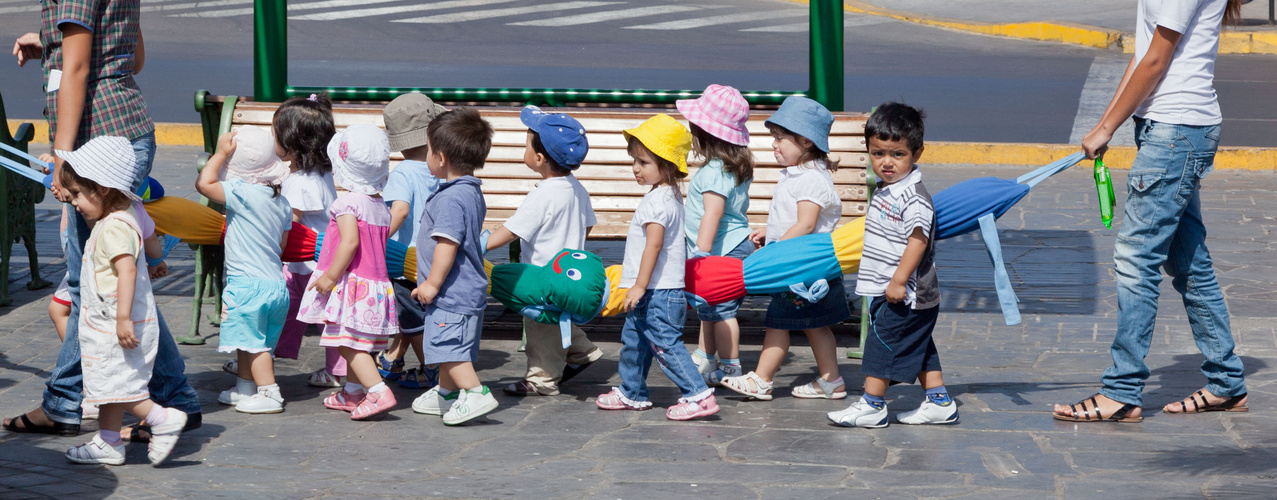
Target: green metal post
826 65
270 50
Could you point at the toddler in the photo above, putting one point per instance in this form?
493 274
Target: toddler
653 270
804 202
350 292
118 321
257 224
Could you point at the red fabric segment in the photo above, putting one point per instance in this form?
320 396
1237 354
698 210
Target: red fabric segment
715 279
301 244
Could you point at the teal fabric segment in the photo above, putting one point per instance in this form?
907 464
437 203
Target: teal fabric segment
802 260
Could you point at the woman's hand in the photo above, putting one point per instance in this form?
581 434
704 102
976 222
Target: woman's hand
323 284
124 331
632 298
28 48
1096 142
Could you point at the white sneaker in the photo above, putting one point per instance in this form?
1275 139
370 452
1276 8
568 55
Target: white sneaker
860 414
96 451
243 389
164 436
434 403
471 404
265 401
931 413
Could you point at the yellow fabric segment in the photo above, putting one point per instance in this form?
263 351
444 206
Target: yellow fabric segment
616 295
410 265
487 270
186 220
849 242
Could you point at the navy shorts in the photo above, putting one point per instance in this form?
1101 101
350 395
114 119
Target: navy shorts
899 345
727 310
788 311
412 314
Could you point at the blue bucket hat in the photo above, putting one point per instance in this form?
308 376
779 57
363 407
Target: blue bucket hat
806 118
562 136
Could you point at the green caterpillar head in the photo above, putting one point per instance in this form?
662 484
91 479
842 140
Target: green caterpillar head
574 280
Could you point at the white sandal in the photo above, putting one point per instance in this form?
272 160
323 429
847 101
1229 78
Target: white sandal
820 389
231 367
750 384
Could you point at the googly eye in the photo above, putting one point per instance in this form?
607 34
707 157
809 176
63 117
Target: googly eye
574 275
578 255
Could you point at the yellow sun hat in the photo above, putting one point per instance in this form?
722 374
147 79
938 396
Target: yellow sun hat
665 137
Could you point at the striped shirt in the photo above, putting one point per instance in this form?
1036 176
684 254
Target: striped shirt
114 105
895 211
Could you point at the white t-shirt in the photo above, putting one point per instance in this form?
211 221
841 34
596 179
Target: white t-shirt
312 194
1186 95
807 182
659 206
554 216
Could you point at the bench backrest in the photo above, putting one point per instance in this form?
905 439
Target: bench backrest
606 172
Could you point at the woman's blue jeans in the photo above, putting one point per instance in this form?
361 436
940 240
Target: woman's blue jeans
1162 229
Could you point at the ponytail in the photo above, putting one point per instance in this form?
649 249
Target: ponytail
1233 13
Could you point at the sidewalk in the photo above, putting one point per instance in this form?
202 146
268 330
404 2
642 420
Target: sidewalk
1004 378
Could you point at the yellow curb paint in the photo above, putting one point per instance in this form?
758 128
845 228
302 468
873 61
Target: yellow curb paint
1227 158
166 134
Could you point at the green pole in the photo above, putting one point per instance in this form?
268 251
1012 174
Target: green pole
826 65
270 50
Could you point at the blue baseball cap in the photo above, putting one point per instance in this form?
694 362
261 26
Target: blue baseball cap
562 136
805 117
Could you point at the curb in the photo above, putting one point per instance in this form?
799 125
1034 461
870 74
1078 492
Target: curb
1117 157
166 134
1231 41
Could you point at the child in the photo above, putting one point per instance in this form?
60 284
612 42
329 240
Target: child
804 202
303 128
118 316
351 293
406 192
450 273
556 215
257 224
898 270
716 222
653 271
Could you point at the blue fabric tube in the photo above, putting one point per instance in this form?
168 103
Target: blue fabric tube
802 260
1001 281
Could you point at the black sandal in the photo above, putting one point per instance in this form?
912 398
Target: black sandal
29 427
1230 404
1120 416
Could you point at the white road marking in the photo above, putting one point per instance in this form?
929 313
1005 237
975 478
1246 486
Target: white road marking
291 8
1101 83
716 20
599 17
512 11
382 11
194 5
803 27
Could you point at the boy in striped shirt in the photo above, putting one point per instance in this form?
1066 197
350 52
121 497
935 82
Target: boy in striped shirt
898 270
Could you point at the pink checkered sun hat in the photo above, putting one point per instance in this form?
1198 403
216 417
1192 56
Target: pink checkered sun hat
721 111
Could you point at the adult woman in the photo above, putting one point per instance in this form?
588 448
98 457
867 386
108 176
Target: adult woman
1168 87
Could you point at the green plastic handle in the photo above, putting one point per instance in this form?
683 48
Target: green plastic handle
1104 188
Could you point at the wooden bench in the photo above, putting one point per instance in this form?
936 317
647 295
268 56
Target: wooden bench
606 172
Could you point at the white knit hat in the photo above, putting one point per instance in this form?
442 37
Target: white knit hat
106 160
361 158
254 159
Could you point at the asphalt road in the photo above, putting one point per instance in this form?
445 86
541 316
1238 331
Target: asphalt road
974 88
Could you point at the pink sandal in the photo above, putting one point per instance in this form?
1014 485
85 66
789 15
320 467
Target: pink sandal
616 401
687 410
344 401
374 404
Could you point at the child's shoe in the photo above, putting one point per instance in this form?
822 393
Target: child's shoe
715 378
750 385
930 412
88 411
433 402
321 378
687 410
344 401
243 390
860 414
231 367
267 400
164 436
387 367
374 403
705 364
471 404
96 451
820 389
422 377
616 401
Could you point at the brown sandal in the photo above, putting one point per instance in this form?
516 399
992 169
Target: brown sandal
1120 416
1231 404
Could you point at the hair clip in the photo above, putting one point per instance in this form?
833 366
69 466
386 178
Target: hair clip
313 98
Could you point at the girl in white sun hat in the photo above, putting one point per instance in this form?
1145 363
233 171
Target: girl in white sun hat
350 292
256 298
118 323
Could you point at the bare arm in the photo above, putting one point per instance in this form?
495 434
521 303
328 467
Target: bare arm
139 56
77 46
126 272
28 48
500 237
715 204
441 264
1135 88
897 289
348 228
651 253
808 213
207 184
399 211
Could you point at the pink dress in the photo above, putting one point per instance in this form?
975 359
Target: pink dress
360 313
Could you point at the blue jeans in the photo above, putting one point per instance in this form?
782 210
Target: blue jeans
168 380
1162 229
654 329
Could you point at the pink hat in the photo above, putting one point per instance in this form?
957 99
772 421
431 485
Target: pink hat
721 111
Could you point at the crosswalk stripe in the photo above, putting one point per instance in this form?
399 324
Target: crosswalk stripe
33 6
291 8
613 15
513 11
23 8
194 5
802 27
716 20
381 11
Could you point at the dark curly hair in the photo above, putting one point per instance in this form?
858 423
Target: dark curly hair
303 128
